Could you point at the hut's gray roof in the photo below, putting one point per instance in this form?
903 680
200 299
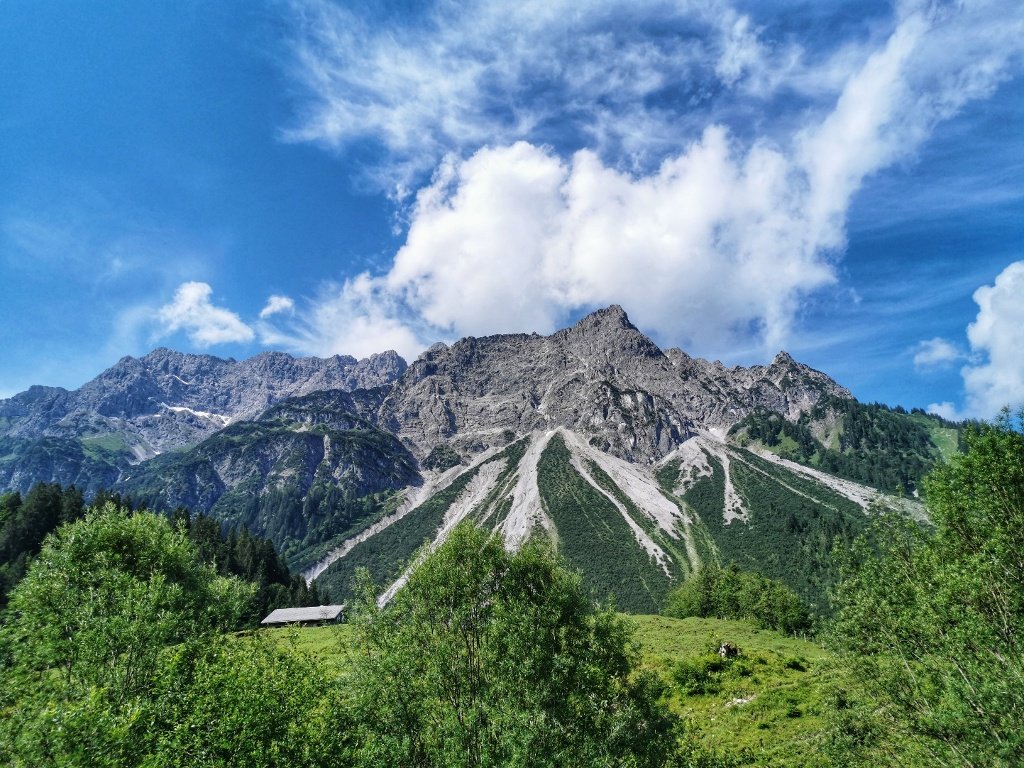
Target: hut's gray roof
315 613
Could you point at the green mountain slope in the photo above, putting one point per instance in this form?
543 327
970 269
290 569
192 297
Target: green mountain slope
632 531
88 463
872 444
792 522
300 483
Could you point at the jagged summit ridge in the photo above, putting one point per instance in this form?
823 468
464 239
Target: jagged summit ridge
167 399
601 377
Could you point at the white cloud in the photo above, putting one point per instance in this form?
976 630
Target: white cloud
276 305
455 76
946 410
356 318
995 378
514 238
935 353
741 51
192 311
719 241
998 334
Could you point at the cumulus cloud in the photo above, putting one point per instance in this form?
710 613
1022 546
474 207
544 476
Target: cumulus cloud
998 335
713 242
716 236
192 311
276 305
995 377
357 318
935 353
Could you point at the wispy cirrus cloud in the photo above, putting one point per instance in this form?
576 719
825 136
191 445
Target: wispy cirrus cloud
602 152
457 76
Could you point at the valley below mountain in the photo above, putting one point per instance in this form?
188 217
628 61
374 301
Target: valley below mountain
638 464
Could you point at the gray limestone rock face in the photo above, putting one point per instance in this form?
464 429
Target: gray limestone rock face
167 400
601 378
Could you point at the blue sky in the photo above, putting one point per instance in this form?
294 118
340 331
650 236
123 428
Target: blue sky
842 180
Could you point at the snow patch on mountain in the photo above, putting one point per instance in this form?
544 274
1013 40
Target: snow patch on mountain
217 419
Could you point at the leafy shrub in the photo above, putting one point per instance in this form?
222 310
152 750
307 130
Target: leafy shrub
699 675
729 593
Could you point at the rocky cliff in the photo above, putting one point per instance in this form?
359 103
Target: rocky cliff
167 400
601 378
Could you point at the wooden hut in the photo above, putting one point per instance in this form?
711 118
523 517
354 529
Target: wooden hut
313 616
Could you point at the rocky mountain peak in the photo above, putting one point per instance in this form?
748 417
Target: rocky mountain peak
601 377
167 399
612 316
380 369
608 334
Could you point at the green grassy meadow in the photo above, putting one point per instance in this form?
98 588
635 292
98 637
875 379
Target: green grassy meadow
766 707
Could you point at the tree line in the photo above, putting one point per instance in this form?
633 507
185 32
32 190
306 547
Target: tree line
878 446
931 619
26 521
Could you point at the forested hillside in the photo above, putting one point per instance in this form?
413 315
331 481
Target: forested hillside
306 474
791 527
885 448
25 522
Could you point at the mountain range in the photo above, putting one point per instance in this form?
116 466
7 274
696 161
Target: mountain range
637 463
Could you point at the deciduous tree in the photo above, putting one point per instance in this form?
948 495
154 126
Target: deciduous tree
488 658
933 621
85 630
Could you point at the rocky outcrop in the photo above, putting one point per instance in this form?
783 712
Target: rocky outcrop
601 378
168 400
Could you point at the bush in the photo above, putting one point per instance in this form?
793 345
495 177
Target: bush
488 657
700 675
729 593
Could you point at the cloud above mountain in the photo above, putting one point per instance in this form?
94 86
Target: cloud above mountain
995 377
934 353
206 324
682 159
